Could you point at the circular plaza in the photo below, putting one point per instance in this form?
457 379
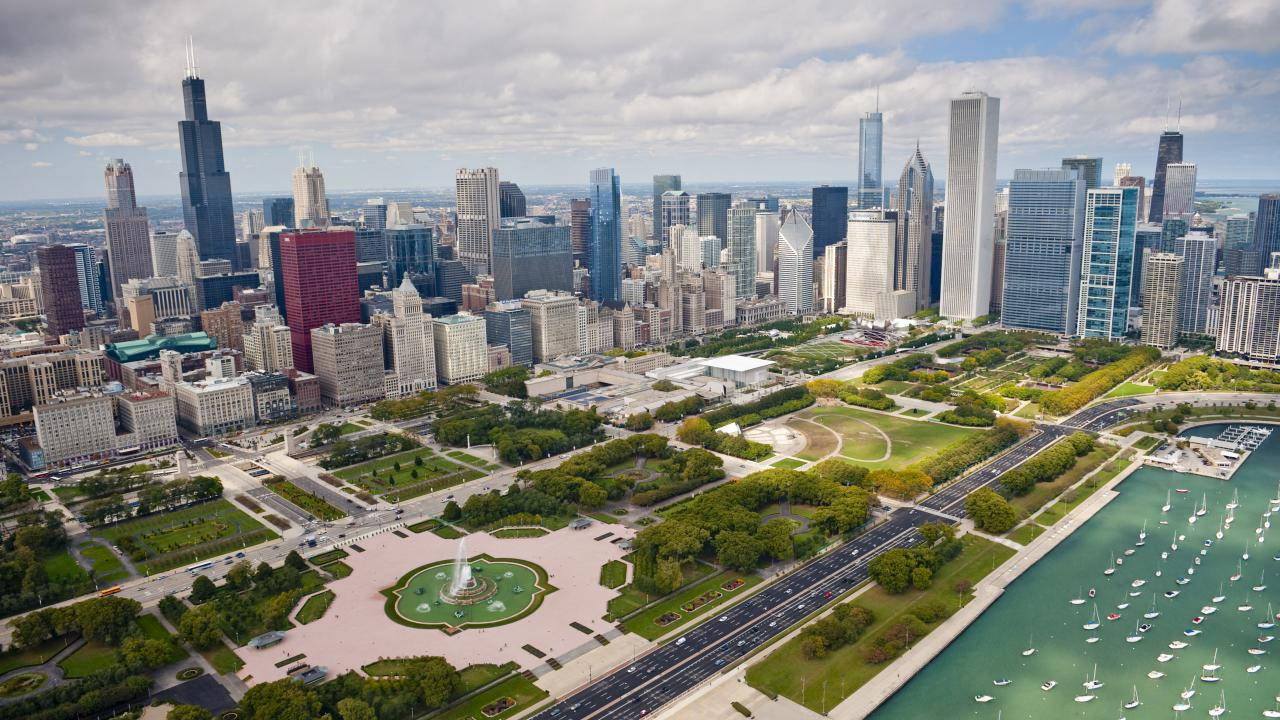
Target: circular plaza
486 592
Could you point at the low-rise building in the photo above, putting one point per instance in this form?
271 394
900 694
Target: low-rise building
272 399
215 406
147 420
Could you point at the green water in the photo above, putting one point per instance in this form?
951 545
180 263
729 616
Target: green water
514 588
1036 609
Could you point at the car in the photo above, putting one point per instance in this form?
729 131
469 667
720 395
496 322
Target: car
448 497
828 594
680 641
723 618
555 712
773 624
741 643
719 662
342 535
631 669
788 591
800 606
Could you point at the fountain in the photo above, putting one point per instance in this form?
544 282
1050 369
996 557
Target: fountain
464 587
462 580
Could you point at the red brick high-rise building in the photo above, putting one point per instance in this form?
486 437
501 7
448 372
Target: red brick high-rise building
60 286
320 286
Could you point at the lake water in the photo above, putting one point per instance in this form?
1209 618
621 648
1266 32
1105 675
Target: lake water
1036 609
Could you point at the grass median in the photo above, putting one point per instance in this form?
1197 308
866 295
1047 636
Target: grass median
645 623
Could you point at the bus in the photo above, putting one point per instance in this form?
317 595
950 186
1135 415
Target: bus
200 566
109 591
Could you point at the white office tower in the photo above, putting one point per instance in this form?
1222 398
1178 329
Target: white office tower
968 245
310 206
869 267
1250 316
913 247
767 224
1179 189
186 257
408 343
740 247
1161 290
164 253
795 265
400 213
1199 250
1123 170
462 348
267 343
553 323
128 239
479 215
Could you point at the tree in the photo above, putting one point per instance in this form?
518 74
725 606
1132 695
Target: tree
668 576
279 700
107 619
437 680
841 472
452 512
902 484
892 569
295 561
921 578
775 538
31 629
639 422
738 550
822 387
189 712
354 709
201 590
694 431
591 495
240 576
200 627
276 609
990 511
142 652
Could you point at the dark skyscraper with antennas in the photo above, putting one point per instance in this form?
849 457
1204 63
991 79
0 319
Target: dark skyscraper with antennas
1169 151
204 180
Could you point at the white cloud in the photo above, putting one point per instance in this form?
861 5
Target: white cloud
1196 26
103 139
41 164
31 147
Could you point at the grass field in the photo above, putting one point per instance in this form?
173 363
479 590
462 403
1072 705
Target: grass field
14 659
347 428
1024 534
223 659
380 475
1028 411
787 671
516 533
914 412
819 441
314 607
448 532
467 458
107 568
440 483
518 688
188 535
1057 510
613 574
1147 442
630 599
62 569
789 464
1043 493
912 440
152 628
309 503
1126 389
89 659
643 624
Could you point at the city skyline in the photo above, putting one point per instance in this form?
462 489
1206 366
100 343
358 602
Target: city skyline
727 112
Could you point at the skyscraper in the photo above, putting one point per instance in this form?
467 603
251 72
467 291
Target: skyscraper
1107 261
830 216
605 246
1179 189
507 323
795 265
318 268
1240 255
675 211
204 180
1250 316
1169 151
60 283
1266 226
869 265
913 253
164 253
410 251
1090 169
661 184
87 276
1122 171
373 214
511 202
971 175
767 224
713 215
1042 254
277 211
529 254
1199 253
741 244
1161 290
310 205
579 228
478 214
870 192
1141 183
128 234
408 344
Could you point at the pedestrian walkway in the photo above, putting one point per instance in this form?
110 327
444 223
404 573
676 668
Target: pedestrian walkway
54 675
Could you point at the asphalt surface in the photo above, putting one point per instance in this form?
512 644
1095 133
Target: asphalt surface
672 669
950 499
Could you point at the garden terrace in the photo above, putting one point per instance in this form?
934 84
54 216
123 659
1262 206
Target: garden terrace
444 401
344 452
307 502
163 541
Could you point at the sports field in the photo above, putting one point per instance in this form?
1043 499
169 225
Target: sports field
169 539
873 439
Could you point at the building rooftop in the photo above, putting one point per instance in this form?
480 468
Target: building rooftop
737 363
150 346
457 319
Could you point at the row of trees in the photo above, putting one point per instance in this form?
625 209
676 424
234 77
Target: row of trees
1201 372
697 431
1048 464
948 463
990 511
517 432
444 401
104 619
1069 399
676 409
424 683
13 492
114 481
900 569
772 405
152 498
348 452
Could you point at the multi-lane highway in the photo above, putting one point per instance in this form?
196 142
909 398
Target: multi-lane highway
950 499
670 670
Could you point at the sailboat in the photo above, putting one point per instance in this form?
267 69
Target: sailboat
1093 683
1134 702
1221 707
1211 670
1136 636
1273 713
1245 556
1152 614
1155 674
1219 533
1238 574
1078 600
1269 621
1235 500
1095 621
1204 505
1246 606
1219 597
1111 569
1168 501
1262 585
1031 647
1142 535
1190 691
1213 666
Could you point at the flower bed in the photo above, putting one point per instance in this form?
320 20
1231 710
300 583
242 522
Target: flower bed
701 600
498 706
666 619
733 585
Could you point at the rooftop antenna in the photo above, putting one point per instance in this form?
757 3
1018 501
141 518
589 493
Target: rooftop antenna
877 98
193 65
1179 114
1167 102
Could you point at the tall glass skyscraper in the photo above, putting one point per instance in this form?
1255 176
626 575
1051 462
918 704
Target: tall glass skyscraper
1106 267
410 250
871 160
204 180
713 215
1266 226
661 184
1042 254
1239 253
1169 151
741 245
913 254
830 217
606 235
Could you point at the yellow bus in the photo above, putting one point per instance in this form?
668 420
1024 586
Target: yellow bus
109 591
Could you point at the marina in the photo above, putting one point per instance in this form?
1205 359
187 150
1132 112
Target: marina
1201 612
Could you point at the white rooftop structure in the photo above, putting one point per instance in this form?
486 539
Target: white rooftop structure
742 370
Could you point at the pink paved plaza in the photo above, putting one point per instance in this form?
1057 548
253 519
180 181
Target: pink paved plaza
356 631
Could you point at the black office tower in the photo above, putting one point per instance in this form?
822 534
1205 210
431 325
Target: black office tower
1266 227
277 211
830 217
1170 151
713 215
204 180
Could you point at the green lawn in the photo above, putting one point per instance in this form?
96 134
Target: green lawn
1028 411
152 628
1057 510
409 492
380 475
613 574
309 503
448 532
338 569
223 659
1042 493
893 387
189 535
315 606
347 428
515 533
217 453
107 568
643 624
14 659
630 599
90 658
786 671
1024 534
789 464
913 440
423 525
1126 389
467 458
40 496
62 569
1147 442
518 688
819 441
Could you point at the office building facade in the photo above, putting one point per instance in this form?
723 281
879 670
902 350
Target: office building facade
531 255
1199 253
661 184
204 180
1107 261
511 200
913 254
1161 296
713 214
410 250
741 244
553 323
128 237
830 216
479 211
507 323
408 344
60 288
318 269
970 195
278 211
1168 151
605 244
1042 251
795 265
675 211
310 204
1090 169
1179 190
869 265
870 190
1250 317
462 348
348 360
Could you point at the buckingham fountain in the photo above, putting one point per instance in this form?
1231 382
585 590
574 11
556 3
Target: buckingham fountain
465 586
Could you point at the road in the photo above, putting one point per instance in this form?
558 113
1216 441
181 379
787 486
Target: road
950 499
670 670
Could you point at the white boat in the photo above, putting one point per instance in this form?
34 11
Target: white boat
1208 610
1246 606
1136 636
1128 552
1182 706
1190 691
1266 638
1191 633
1152 614
1212 666
1219 597
1085 698
1111 568
1235 501
1211 670
1142 534
1093 683
1078 600
1095 621
1177 645
1238 574
1182 580
1257 651
1155 674
983 698
1031 647
1171 594
1138 583
1163 658
1253 669
1245 556
1134 702
1092 639
1221 707
1048 685
1168 501
1123 606
1204 505
1001 682
1262 584
1272 713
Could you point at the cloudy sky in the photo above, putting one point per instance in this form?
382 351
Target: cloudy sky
392 94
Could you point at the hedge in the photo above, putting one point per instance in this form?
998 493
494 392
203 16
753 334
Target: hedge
769 406
948 463
1095 384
